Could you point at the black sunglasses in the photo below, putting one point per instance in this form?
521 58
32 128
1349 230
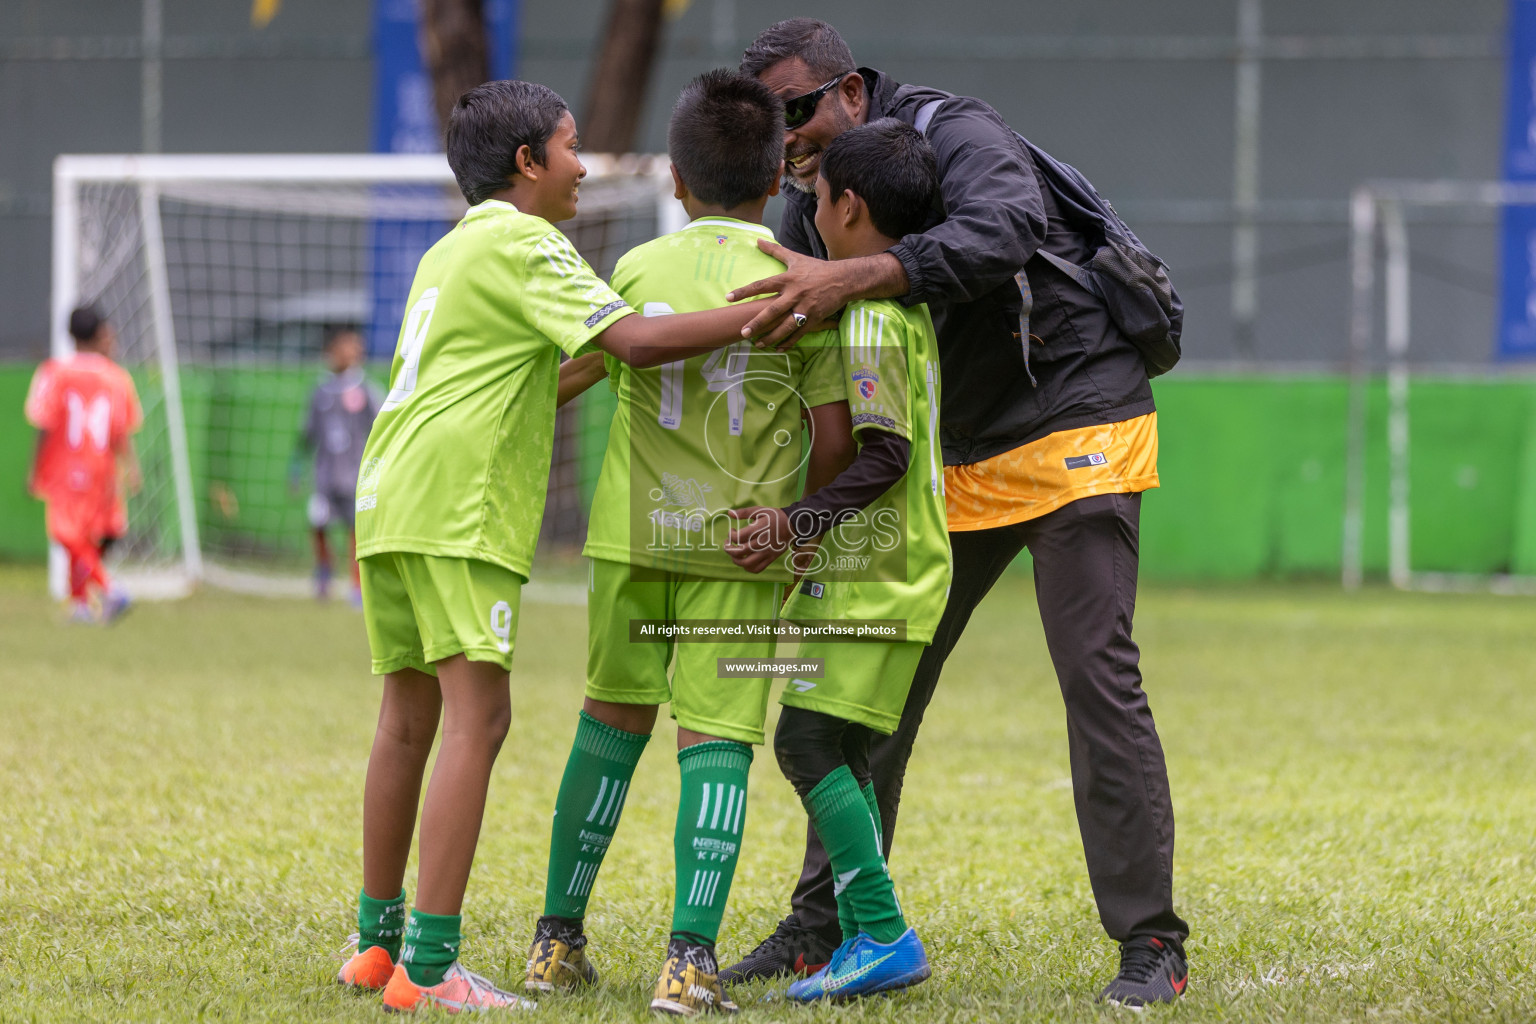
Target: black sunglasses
800 109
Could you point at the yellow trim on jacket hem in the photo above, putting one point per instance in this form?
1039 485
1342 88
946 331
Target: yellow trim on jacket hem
1042 476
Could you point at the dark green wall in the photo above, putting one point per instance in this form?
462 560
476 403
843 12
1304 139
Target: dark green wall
21 517
1252 471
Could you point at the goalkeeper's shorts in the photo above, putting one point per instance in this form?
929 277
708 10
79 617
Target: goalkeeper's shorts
420 609
622 671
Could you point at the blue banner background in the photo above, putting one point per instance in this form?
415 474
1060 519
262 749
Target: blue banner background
1517 293
404 121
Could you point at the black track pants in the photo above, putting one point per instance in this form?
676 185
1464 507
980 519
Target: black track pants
1085 557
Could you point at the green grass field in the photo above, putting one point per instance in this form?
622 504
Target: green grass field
1354 777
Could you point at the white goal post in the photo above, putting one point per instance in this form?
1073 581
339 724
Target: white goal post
228 266
1378 210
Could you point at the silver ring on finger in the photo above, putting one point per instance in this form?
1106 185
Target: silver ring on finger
799 319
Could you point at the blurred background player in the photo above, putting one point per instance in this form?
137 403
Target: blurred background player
341 412
86 409
689 441
876 185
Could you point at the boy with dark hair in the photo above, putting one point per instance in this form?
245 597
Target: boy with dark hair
341 411
86 410
449 501
689 441
876 183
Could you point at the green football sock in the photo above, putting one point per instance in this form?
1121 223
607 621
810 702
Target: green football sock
842 819
380 923
868 790
592 795
845 917
431 946
711 813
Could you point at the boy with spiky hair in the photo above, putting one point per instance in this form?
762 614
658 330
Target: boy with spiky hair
689 441
877 184
449 501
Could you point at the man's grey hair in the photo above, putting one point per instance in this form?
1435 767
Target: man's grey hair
815 42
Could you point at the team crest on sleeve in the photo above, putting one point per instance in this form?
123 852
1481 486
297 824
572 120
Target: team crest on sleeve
721 239
868 384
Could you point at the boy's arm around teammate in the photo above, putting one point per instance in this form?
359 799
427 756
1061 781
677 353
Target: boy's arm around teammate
650 341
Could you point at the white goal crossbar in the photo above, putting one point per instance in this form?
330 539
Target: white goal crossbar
153 177
148 171
1378 209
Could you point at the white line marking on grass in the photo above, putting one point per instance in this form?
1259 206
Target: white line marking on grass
165 585
1272 976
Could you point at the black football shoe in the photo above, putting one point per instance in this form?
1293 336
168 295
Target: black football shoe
1151 971
791 950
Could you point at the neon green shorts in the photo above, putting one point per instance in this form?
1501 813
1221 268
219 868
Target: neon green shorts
861 682
622 672
420 609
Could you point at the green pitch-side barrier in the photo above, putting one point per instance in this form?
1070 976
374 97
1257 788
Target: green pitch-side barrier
21 517
1252 470
1253 474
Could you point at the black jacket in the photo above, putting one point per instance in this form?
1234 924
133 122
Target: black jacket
996 213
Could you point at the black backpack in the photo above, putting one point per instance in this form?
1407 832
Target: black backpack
1124 274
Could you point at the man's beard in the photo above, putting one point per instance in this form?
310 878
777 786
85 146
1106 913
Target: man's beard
790 181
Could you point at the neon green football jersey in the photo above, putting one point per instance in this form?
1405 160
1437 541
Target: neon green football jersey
696 437
457 463
891 561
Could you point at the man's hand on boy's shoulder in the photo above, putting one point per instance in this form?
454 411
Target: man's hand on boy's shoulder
761 539
811 293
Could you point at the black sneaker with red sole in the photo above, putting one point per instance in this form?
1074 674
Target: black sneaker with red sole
791 950
1151 971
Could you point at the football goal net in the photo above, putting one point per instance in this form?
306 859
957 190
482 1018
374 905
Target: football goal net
1428 503
222 275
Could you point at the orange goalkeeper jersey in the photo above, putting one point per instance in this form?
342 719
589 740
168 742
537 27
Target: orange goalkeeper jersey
86 406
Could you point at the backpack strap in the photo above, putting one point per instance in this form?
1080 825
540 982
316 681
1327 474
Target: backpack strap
1079 274
924 115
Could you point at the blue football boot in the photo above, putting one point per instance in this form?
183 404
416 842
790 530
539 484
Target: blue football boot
861 967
